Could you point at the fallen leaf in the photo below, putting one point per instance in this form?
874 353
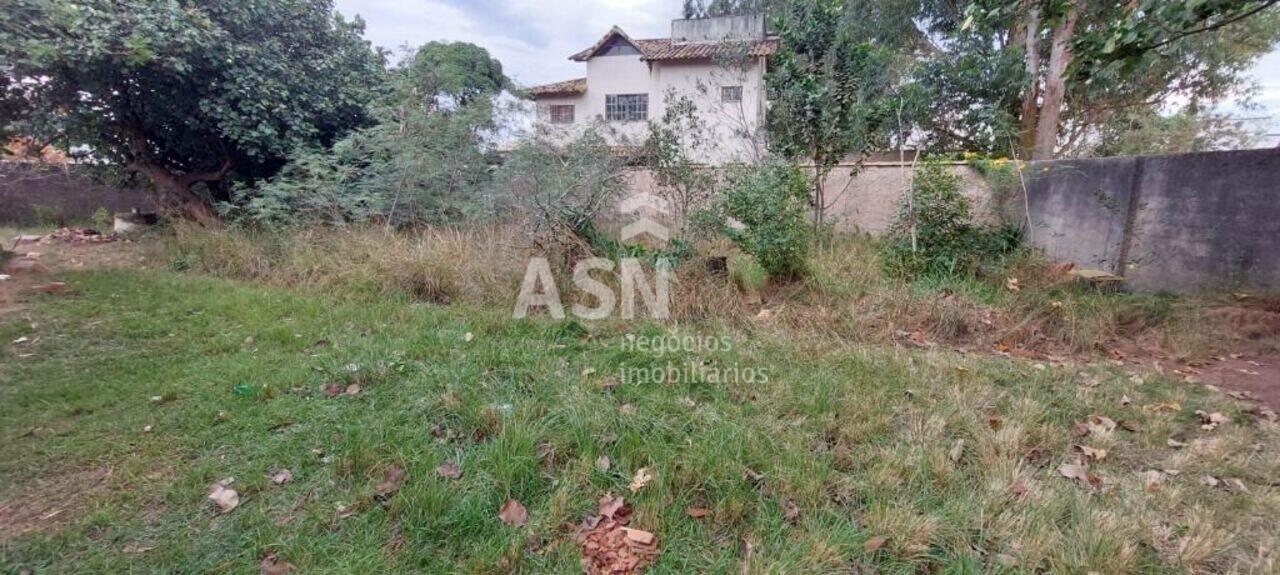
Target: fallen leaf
271 565
513 513
1235 485
1171 442
1125 401
333 389
1210 480
639 536
603 463
1091 453
873 544
390 483
1158 407
613 507
1080 473
1211 421
282 477
352 389
697 512
467 337
1019 488
790 511
448 471
1011 284
225 499
957 451
642 478
1152 479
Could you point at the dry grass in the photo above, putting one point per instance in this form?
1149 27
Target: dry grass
845 295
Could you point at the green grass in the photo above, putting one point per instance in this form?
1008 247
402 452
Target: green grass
858 437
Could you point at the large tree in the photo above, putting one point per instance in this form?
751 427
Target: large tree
188 92
1039 77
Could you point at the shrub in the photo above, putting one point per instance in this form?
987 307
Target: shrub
102 220
934 233
769 201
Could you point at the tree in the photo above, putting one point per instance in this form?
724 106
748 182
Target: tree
673 143
189 93
831 86
1033 77
421 161
458 71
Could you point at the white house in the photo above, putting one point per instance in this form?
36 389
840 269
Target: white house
717 63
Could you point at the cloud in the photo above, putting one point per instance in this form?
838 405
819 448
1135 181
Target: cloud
532 38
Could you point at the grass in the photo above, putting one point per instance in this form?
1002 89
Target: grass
845 296
860 437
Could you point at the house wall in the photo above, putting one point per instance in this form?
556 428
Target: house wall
733 129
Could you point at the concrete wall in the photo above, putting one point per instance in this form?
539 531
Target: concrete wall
60 190
1180 223
744 27
865 202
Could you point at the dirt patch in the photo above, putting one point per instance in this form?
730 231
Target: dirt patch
51 501
1257 377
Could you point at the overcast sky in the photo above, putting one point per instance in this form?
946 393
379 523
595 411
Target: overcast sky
534 38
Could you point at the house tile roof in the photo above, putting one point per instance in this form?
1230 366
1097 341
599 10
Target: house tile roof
657 49
572 87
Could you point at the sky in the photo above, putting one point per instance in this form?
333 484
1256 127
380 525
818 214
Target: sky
534 38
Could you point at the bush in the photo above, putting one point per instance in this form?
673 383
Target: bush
945 241
770 202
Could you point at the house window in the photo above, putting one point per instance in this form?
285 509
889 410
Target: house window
731 94
562 113
626 107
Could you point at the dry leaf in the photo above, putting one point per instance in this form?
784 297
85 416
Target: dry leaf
467 337
1125 401
333 389
1171 442
1152 479
222 497
271 565
1080 473
603 463
1011 284
613 507
1100 426
513 513
448 471
390 483
873 544
1019 488
790 511
1211 421
282 477
639 536
957 451
697 512
1091 453
642 478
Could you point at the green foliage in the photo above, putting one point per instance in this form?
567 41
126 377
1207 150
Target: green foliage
422 162
1127 58
672 144
831 86
102 220
934 233
459 71
769 201
184 91
560 188
48 216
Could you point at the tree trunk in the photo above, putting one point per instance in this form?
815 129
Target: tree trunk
1030 38
177 194
1055 90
